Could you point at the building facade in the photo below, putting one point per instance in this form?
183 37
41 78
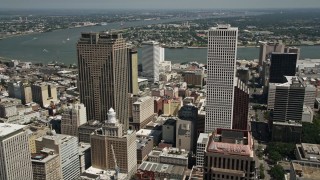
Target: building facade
103 75
73 117
14 153
222 51
125 147
150 60
67 148
133 71
46 165
282 64
142 112
43 93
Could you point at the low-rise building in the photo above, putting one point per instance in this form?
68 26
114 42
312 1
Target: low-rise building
304 170
46 165
144 147
153 170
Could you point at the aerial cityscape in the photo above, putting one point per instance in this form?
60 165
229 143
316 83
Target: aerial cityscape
159 90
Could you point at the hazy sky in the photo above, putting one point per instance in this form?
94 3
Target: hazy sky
157 4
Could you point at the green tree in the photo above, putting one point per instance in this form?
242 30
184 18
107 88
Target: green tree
277 172
261 173
275 156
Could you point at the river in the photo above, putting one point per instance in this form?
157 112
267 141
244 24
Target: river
60 45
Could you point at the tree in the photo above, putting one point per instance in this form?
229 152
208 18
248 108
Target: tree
261 173
277 172
275 156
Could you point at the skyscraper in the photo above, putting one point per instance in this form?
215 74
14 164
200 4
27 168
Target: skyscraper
222 50
133 71
282 64
72 118
151 54
103 75
15 159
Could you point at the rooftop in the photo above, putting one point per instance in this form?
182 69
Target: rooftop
42 157
103 174
203 138
306 170
6 129
161 168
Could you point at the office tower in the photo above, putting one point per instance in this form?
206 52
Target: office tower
162 55
15 157
46 165
103 75
73 117
150 60
282 64
295 50
185 134
169 131
241 106
125 146
222 50
85 130
229 155
267 48
44 93
142 112
133 71
67 148
202 144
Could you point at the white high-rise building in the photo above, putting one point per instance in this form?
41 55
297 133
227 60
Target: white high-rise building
151 60
222 52
162 55
15 159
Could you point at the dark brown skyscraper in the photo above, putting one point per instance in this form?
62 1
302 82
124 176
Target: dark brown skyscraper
103 75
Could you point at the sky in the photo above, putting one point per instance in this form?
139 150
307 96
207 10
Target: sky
156 4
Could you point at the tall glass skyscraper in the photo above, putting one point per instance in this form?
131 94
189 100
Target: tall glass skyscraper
103 75
222 52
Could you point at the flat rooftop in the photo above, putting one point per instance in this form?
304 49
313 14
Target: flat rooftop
7 129
42 157
203 138
307 171
161 168
103 174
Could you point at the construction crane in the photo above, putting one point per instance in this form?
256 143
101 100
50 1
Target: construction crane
117 169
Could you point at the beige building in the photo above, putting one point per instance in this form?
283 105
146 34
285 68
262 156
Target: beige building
125 147
8 109
133 71
103 75
172 106
229 155
67 148
46 165
44 93
14 153
184 134
142 112
73 117
35 132
26 94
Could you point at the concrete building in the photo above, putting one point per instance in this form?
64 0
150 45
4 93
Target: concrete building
67 148
46 165
241 106
304 170
243 73
102 174
150 60
73 117
125 147
144 147
185 134
36 131
229 155
153 170
26 94
308 152
14 89
85 130
14 153
133 71
142 112
282 64
44 94
289 99
8 109
222 55
172 106
174 156
103 77
194 78
84 156
202 143
169 131
267 48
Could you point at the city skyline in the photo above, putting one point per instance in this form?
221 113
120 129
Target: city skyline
164 4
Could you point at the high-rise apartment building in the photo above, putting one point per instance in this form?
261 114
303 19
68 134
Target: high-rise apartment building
125 146
67 148
15 159
222 50
44 93
282 64
103 75
229 155
150 60
73 117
